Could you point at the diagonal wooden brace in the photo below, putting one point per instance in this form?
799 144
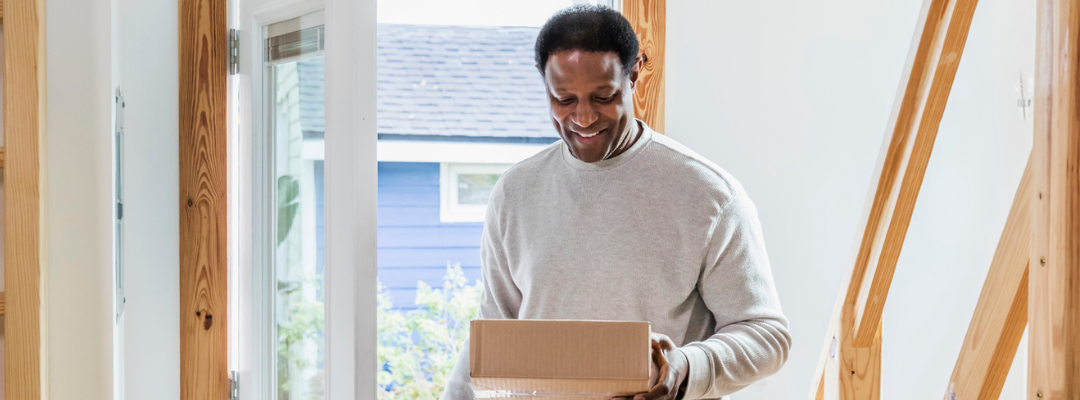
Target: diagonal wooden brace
1001 313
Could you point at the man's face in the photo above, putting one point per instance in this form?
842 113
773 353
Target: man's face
591 102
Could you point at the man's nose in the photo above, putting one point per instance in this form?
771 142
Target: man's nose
584 114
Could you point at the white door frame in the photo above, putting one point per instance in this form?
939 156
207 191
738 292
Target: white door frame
350 177
351 191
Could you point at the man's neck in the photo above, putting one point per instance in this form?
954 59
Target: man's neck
631 138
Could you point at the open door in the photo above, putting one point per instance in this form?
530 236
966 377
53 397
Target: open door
305 184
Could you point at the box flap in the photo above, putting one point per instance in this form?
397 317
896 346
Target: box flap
559 349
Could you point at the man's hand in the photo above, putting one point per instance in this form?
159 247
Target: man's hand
670 367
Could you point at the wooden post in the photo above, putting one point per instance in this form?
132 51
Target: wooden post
1001 313
1054 309
24 138
648 18
26 336
203 201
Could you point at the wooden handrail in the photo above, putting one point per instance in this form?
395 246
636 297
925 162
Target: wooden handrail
3 305
912 130
850 358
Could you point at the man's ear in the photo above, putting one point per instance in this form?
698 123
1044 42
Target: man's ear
541 70
636 72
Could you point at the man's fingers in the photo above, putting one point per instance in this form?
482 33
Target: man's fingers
658 355
660 391
662 385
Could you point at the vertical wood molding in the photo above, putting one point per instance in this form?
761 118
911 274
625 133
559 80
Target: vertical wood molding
26 336
648 17
1002 311
203 201
1054 305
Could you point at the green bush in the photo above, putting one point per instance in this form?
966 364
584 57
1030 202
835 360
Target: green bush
417 349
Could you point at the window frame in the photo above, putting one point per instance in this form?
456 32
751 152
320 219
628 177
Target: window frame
254 335
449 209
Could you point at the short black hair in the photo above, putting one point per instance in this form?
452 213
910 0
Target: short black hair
591 28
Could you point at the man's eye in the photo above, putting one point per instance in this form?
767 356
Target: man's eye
605 99
566 101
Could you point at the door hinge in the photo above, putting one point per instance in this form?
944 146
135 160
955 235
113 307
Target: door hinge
234 385
234 52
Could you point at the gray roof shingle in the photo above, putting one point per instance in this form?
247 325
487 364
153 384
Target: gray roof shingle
448 83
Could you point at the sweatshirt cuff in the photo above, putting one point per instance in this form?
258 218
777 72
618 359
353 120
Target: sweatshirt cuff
701 376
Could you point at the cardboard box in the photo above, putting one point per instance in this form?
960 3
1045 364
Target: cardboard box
558 359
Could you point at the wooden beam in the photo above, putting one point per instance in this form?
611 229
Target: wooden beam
939 42
25 330
1054 309
203 201
648 18
3 309
1001 313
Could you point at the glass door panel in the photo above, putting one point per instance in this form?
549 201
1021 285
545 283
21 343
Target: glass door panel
294 68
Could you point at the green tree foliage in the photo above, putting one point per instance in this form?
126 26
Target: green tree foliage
418 348
304 325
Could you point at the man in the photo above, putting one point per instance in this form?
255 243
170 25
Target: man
618 222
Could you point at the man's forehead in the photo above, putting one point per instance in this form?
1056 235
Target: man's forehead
581 64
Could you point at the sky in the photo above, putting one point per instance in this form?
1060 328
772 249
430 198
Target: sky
472 12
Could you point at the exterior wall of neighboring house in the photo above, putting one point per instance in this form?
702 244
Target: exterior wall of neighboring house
413 244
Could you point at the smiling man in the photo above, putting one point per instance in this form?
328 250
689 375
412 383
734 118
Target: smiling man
619 222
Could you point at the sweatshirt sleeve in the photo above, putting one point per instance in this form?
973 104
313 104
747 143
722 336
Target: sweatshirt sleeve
500 298
751 340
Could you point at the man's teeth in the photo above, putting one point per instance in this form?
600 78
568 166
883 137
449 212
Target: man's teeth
589 134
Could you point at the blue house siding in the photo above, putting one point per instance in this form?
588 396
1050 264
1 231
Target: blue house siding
413 245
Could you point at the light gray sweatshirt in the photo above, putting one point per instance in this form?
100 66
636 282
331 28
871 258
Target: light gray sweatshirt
656 234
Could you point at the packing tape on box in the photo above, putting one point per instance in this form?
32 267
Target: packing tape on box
500 394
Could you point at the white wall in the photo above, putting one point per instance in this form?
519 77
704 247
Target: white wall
78 199
792 97
149 69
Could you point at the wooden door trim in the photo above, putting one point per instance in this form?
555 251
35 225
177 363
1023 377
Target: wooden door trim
203 200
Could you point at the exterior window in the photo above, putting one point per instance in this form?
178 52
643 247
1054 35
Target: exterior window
465 189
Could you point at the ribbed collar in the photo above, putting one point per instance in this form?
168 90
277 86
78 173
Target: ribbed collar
626 156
